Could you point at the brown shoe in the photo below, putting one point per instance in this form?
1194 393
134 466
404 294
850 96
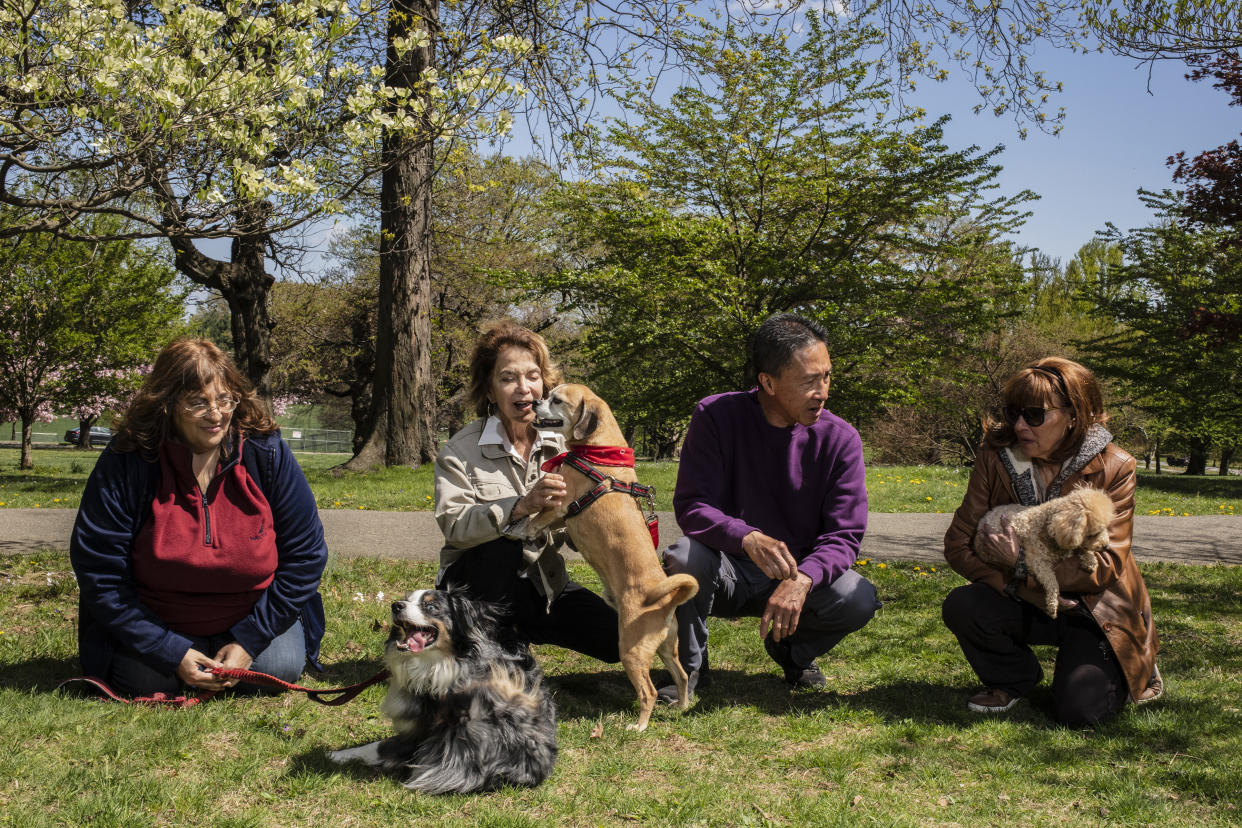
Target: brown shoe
992 700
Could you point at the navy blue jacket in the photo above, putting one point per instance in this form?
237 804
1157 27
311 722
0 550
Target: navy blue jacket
115 505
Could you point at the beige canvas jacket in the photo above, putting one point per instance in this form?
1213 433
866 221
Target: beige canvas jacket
477 486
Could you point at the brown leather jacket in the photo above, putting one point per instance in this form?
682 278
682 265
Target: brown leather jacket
1115 593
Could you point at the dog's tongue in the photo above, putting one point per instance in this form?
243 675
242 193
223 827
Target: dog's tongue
417 641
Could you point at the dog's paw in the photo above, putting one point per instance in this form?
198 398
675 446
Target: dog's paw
368 754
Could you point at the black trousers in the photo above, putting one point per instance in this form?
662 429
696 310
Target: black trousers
996 634
578 619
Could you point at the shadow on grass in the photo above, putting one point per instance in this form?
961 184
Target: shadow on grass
1206 485
38 674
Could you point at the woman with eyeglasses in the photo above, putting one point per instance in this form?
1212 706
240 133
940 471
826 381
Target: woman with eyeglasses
197 544
1048 440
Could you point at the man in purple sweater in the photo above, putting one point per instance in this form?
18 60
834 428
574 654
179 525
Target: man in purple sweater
772 499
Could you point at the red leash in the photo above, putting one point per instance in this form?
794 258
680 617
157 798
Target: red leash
248 676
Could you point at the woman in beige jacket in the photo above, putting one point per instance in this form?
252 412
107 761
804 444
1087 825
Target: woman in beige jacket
1050 441
488 484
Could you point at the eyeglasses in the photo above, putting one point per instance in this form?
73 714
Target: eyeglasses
200 406
1034 415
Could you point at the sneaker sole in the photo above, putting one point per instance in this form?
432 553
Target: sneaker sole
994 708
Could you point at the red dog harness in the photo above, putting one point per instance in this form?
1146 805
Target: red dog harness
580 458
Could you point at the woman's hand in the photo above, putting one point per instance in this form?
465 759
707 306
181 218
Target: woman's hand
1000 549
195 671
547 493
233 656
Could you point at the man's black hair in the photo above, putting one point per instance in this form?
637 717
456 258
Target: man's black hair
774 343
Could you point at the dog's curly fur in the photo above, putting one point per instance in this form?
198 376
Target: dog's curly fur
1074 525
469 714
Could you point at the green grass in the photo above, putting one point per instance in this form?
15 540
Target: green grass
889 743
59 475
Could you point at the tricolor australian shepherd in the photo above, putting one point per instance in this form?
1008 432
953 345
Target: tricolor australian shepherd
469 714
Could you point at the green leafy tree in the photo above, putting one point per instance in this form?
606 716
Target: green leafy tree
766 188
1176 297
71 313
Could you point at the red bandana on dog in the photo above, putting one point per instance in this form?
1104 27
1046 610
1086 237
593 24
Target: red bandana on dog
603 455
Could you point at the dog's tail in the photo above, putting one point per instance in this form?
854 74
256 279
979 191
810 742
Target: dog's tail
673 591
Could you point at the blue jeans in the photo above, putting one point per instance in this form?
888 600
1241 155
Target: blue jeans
284 658
732 587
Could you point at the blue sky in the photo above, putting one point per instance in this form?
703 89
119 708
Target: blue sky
1116 138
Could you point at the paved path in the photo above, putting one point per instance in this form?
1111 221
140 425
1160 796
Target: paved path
1205 539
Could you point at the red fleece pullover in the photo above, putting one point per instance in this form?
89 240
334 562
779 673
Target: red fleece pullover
202 559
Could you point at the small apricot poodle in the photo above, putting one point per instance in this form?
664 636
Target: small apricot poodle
1074 525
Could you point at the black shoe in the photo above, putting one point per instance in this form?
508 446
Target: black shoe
699 679
795 674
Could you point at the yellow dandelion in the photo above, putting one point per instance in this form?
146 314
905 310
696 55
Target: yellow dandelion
933 569
881 565
927 498
918 569
336 503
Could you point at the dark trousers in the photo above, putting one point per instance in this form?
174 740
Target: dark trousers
996 634
735 588
284 658
578 619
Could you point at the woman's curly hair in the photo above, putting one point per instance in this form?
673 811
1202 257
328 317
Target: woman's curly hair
186 367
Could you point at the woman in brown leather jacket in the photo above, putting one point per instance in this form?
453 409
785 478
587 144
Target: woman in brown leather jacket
1051 440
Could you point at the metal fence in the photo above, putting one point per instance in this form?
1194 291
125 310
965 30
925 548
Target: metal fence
322 440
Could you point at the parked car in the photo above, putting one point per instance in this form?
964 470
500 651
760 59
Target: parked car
99 436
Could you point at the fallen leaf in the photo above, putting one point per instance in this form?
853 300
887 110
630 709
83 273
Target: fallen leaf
857 801
598 730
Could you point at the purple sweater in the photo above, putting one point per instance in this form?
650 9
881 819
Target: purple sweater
804 486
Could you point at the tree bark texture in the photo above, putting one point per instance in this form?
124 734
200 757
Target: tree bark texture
1198 456
27 459
246 286
84 432
403 396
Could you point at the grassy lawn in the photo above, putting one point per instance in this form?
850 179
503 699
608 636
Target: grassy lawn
59 475
890 743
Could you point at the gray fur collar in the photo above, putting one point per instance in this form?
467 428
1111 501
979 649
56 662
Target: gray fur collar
1020 471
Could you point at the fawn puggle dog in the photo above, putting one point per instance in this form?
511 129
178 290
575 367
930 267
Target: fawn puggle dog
612 535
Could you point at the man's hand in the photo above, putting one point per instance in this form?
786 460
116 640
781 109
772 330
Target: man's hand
785 607
770 555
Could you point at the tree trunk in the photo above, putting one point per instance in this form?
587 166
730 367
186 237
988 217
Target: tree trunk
84 431
1156 451
1226 456
250 305
247 287
1198 456
403 394
27 459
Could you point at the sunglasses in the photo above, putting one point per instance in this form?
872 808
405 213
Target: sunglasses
1033 415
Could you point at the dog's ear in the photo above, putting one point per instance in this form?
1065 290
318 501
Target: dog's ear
474 621
1067 526
588 418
